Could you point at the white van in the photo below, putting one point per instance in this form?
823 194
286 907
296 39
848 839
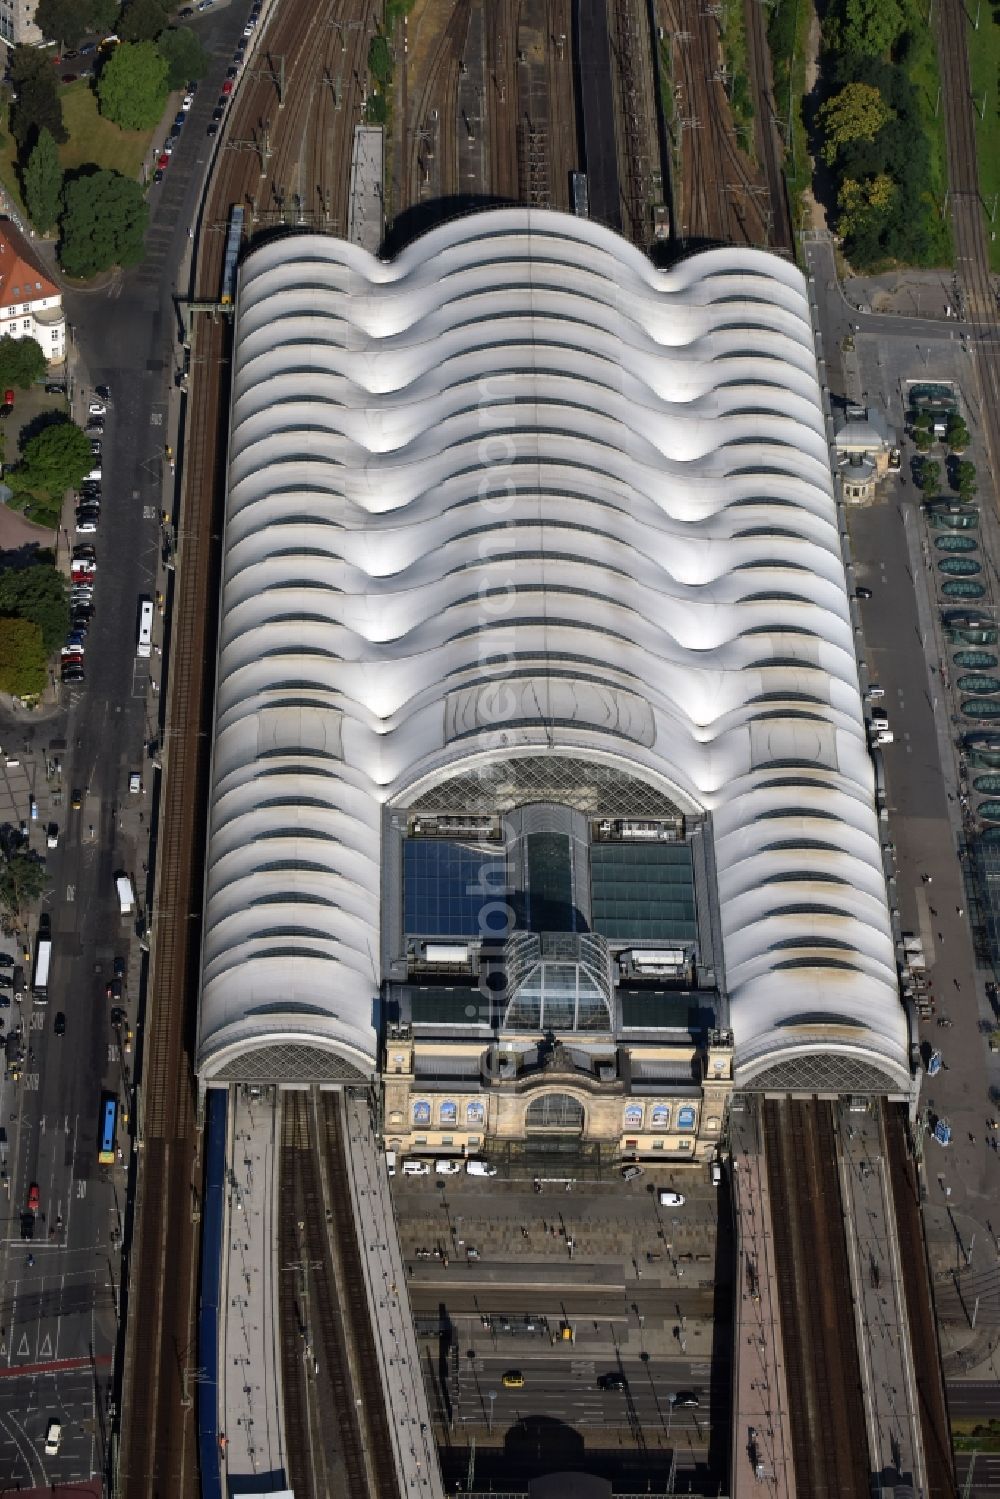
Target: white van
875 693
447 1167
390 1162
884 736
716 1173
480 1168
144 636
416 1168
126 893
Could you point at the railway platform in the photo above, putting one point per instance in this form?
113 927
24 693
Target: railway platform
761 1445
389 1305
892 1415
251 1423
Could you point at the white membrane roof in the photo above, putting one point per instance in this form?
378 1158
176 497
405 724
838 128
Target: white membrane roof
519 491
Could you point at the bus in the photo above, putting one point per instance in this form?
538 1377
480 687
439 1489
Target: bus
107 1130
144 636
40 978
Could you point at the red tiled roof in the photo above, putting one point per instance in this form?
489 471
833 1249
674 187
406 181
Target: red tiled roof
21 277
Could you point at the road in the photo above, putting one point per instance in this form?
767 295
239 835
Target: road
64 1306
568 1392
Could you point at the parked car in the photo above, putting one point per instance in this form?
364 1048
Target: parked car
447 1167
232 71
480 1168
630 1173
416 1168
227 88
186 102
862 593
219 110
135 781
248 29
97 408
685 1400
27 1225
53 1437
95 426
55 389
34 1198
513 1380
119 966
158 175
670 1199
213 127
612 1382
59 1024
52 835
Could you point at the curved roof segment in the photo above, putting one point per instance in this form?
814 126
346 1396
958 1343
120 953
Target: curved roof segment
520 492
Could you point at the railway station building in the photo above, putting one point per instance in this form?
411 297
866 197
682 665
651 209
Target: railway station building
541 789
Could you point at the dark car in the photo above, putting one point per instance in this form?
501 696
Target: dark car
6 982
685 1400
119 967
6 961
59 1025
219 110
213 128
612 1382
88 49
119 1016
862 593
158 176
74 674
69 56
53 388
232 72
114 989
27 1225
95 425
69 78
175 131
239 54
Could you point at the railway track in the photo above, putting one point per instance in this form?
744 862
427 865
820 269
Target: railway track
817 1323
336 1445
979 302
766 125
919 1308
433 125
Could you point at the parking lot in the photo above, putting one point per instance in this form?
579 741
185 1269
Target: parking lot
569 1286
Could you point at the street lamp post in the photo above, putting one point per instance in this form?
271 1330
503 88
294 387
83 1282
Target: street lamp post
492 1397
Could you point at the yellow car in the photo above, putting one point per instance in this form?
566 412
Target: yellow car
513 1380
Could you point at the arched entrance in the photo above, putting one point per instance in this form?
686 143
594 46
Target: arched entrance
555 1114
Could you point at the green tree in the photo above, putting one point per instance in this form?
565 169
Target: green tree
863 204
923 440
56 459
870 27
185 57
37 106
930 478
856 113
132 88
22 658
22 362
23 877
103 223
380 60
37 593
102 14
923 422
964 479
62 21
42 180
957 433
142 20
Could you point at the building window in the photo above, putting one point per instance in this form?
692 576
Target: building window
475 1112
449 1112
660 1116
421 1112
686 1117
657 1144
473 1142
447 1140
26 323
633 1116
555 1111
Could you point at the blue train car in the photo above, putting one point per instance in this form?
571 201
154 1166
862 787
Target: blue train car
234 240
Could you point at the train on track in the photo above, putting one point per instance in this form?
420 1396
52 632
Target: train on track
234 241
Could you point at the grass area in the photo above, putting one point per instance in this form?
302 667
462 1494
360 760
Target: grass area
969 1435
984 64
921 67
734 50
95 139
788 38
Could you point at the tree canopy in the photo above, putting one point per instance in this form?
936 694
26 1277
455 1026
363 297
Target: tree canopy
68 21
23 880
142 20
42 180
37 105
56 459
103 223
380 60
185 57
22 658
22 362
132 88
857 112
37 593
869 27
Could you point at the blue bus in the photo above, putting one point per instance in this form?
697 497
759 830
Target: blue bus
108 1129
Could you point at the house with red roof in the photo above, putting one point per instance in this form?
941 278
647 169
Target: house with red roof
30 302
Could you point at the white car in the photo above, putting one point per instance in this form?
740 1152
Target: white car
97 408
447 1168
186 102
86 525
415 1168
248 29
53 1437
671 1199
135 781
480 1168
